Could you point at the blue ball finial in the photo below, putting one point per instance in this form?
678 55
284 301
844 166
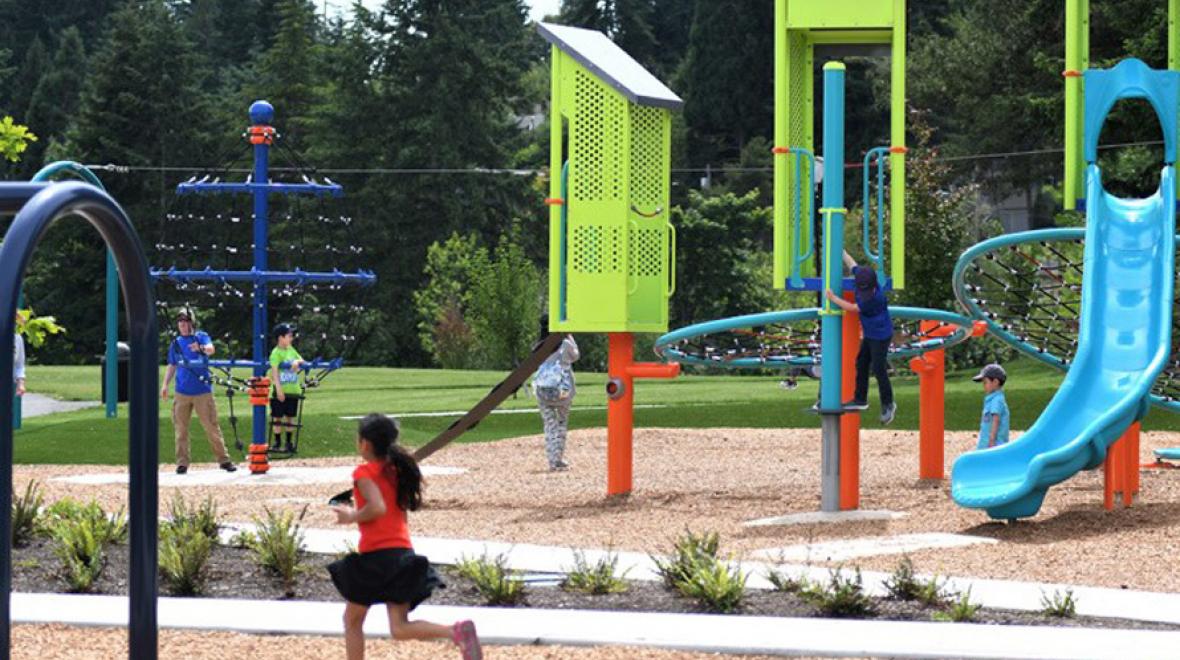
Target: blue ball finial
262 112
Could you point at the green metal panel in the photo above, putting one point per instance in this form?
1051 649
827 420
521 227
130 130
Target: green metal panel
839 14
1077 30
799 26
617 237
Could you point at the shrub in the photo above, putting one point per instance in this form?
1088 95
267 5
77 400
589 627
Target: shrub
961 609
715 584
1061 604
203 518
493 579
277 545
597 578
902 584
106 528
687 551
184 556
26 509
786 583
841 596
81 551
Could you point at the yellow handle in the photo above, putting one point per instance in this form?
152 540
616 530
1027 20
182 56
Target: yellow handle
672 267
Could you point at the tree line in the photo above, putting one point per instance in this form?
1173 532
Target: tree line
429 100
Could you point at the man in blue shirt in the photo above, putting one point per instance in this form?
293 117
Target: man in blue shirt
993 427
187 354
876 334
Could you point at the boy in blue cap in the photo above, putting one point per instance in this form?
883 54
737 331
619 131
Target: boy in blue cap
993 427
876 334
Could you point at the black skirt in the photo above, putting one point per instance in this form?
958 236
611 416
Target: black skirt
395 575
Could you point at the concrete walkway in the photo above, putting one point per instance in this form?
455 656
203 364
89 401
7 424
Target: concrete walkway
696 632
38 405
1004 594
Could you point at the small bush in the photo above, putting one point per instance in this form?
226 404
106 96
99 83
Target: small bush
933 593
495 581
184 556
202 518
784 582
598 578
961 609
687 551
26 510
277 545
242 539
841 596
81 551
902 584
715 584
1061 604
106 528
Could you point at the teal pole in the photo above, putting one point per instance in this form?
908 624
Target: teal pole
831 323
111 382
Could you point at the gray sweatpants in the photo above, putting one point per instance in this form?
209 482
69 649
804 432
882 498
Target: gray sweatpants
556 419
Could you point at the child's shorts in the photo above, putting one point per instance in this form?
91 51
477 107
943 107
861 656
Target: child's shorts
288 408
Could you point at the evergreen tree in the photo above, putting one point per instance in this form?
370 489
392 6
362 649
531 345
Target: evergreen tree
36 62
287 74
57 95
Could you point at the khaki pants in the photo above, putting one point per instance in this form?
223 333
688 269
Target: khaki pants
182 413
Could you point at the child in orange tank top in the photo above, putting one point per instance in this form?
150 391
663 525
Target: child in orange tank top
386 570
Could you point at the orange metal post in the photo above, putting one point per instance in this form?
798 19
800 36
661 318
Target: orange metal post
1130 485
1108 474
620 409
850 421
931 370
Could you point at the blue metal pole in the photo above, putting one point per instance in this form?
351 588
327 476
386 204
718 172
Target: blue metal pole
831 322
261 114
112 374
16 400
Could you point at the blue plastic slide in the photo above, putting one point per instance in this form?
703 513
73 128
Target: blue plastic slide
1125 327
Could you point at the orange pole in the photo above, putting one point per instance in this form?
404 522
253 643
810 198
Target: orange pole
849 421
1130 485
620 414
620 408
931 410
1108 480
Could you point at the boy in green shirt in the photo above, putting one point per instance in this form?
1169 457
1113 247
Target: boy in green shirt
284 402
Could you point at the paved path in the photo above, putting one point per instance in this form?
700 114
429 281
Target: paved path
37 405
696 632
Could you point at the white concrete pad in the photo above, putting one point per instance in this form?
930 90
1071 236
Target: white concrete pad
696 632
500 411
870 546
825 517
279 475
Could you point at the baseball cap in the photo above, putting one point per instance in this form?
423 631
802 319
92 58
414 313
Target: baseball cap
282 329
866 279
993 371
184 314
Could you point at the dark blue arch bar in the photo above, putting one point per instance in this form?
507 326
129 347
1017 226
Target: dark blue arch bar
37 206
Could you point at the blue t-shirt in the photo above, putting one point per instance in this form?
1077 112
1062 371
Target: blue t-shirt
995 411
192 379
875 321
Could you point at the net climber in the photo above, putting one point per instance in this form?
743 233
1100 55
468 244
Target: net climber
302 266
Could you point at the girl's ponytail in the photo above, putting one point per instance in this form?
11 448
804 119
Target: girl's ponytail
401 469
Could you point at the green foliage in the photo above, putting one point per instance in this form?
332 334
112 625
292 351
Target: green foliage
36 329
841 597
80 548
277 545
598 578
185 547
506 304
287 70
14 139
68 512
785 582
688 550
1060 604
203 518
716 584
960 610
452 269
493 579
26 510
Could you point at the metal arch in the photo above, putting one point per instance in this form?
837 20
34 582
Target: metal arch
37 206
971 304
666 346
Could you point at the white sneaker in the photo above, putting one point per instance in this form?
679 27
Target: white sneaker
889 413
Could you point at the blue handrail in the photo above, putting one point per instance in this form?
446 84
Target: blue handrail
802 256
881 154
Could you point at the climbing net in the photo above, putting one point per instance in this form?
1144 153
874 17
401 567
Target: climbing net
791 339
1028 287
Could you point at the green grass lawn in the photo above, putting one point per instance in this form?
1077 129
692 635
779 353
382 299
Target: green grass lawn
691 402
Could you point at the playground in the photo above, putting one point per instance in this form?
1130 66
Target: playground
742 475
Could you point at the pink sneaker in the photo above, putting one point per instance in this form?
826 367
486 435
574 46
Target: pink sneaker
463 634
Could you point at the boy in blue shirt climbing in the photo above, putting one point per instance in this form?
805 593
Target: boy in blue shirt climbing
876 334
993 427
